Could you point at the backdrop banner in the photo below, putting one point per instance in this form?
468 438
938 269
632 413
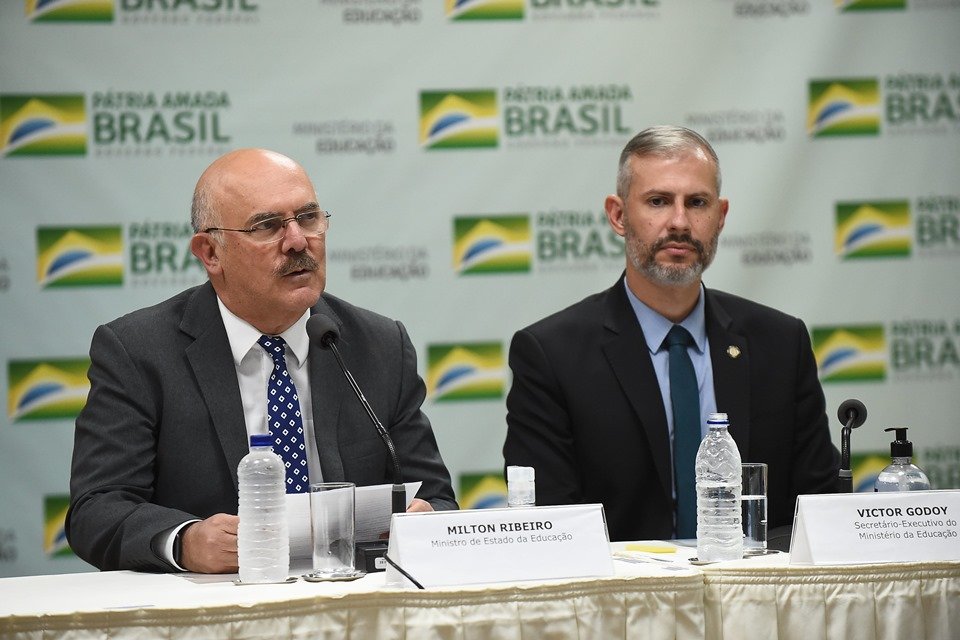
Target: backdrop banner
465 149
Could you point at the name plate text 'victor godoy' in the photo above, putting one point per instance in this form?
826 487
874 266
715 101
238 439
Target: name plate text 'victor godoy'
500 545
853 528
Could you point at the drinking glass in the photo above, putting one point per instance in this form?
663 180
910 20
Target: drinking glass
332 527
753 502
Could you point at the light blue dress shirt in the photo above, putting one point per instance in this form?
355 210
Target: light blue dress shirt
655 328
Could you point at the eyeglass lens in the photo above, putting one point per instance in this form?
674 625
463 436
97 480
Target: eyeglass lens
271 229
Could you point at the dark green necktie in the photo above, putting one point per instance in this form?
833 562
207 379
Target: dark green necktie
685 398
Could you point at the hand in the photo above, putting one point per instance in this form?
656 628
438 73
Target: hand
210 546
419 505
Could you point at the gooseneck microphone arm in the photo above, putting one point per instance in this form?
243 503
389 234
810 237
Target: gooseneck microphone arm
325 332
387 440
852 414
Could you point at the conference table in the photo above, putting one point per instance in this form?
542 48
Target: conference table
650 596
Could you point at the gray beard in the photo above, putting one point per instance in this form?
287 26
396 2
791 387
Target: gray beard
643 258
676 275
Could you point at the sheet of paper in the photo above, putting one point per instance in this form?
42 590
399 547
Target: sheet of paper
298 521
372 509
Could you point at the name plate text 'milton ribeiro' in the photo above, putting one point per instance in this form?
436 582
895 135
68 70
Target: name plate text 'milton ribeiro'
446 548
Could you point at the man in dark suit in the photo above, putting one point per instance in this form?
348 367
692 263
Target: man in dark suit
590 407
177 388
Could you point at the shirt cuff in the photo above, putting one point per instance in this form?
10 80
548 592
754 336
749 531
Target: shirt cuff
167 539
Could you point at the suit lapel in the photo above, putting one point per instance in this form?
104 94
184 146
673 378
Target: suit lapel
730 358
327 391
212 363
626 350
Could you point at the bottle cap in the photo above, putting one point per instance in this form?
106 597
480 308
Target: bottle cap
261 440
901 447
717 418
520 474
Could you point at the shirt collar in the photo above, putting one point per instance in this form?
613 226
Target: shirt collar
655 327
243 336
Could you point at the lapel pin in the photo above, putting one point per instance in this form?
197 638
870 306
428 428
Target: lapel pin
733 352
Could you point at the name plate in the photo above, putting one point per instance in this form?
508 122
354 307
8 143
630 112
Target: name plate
855 528
445 548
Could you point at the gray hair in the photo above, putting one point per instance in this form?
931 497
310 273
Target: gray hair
203 215
664 141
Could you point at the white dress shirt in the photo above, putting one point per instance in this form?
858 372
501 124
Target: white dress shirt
254 366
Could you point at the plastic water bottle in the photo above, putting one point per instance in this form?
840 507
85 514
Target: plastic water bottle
262 538
901 474
719 531
521 490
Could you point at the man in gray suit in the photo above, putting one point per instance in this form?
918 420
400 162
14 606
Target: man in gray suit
177 388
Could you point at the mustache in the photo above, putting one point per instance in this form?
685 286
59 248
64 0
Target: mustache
684 238
298 262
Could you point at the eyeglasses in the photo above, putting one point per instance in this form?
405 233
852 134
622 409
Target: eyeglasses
314 222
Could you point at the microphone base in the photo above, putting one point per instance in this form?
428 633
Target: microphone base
368 556
398 498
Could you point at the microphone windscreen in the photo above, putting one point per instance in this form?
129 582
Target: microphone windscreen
322 329
854 411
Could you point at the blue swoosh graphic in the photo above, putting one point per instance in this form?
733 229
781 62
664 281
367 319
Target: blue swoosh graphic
67 258
453 374
490 502
831 109
31 126
862 232
481 246
448 121
39 391
837 356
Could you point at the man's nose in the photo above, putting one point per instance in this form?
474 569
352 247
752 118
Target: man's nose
293 238
680 216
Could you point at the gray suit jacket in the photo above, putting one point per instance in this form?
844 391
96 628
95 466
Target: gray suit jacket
162 432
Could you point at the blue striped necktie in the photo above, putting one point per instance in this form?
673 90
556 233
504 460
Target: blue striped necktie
283 417
685 399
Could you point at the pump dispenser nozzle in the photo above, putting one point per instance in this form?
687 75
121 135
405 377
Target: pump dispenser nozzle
900 447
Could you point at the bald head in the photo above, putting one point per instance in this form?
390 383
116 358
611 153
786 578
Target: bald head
230 177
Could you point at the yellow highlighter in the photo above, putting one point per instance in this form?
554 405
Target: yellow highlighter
651 547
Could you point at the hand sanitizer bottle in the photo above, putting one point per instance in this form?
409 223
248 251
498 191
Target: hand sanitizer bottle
901 474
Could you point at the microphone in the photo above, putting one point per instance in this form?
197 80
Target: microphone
322 330
852 414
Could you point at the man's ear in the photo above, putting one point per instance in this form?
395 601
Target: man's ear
207 251
613 205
